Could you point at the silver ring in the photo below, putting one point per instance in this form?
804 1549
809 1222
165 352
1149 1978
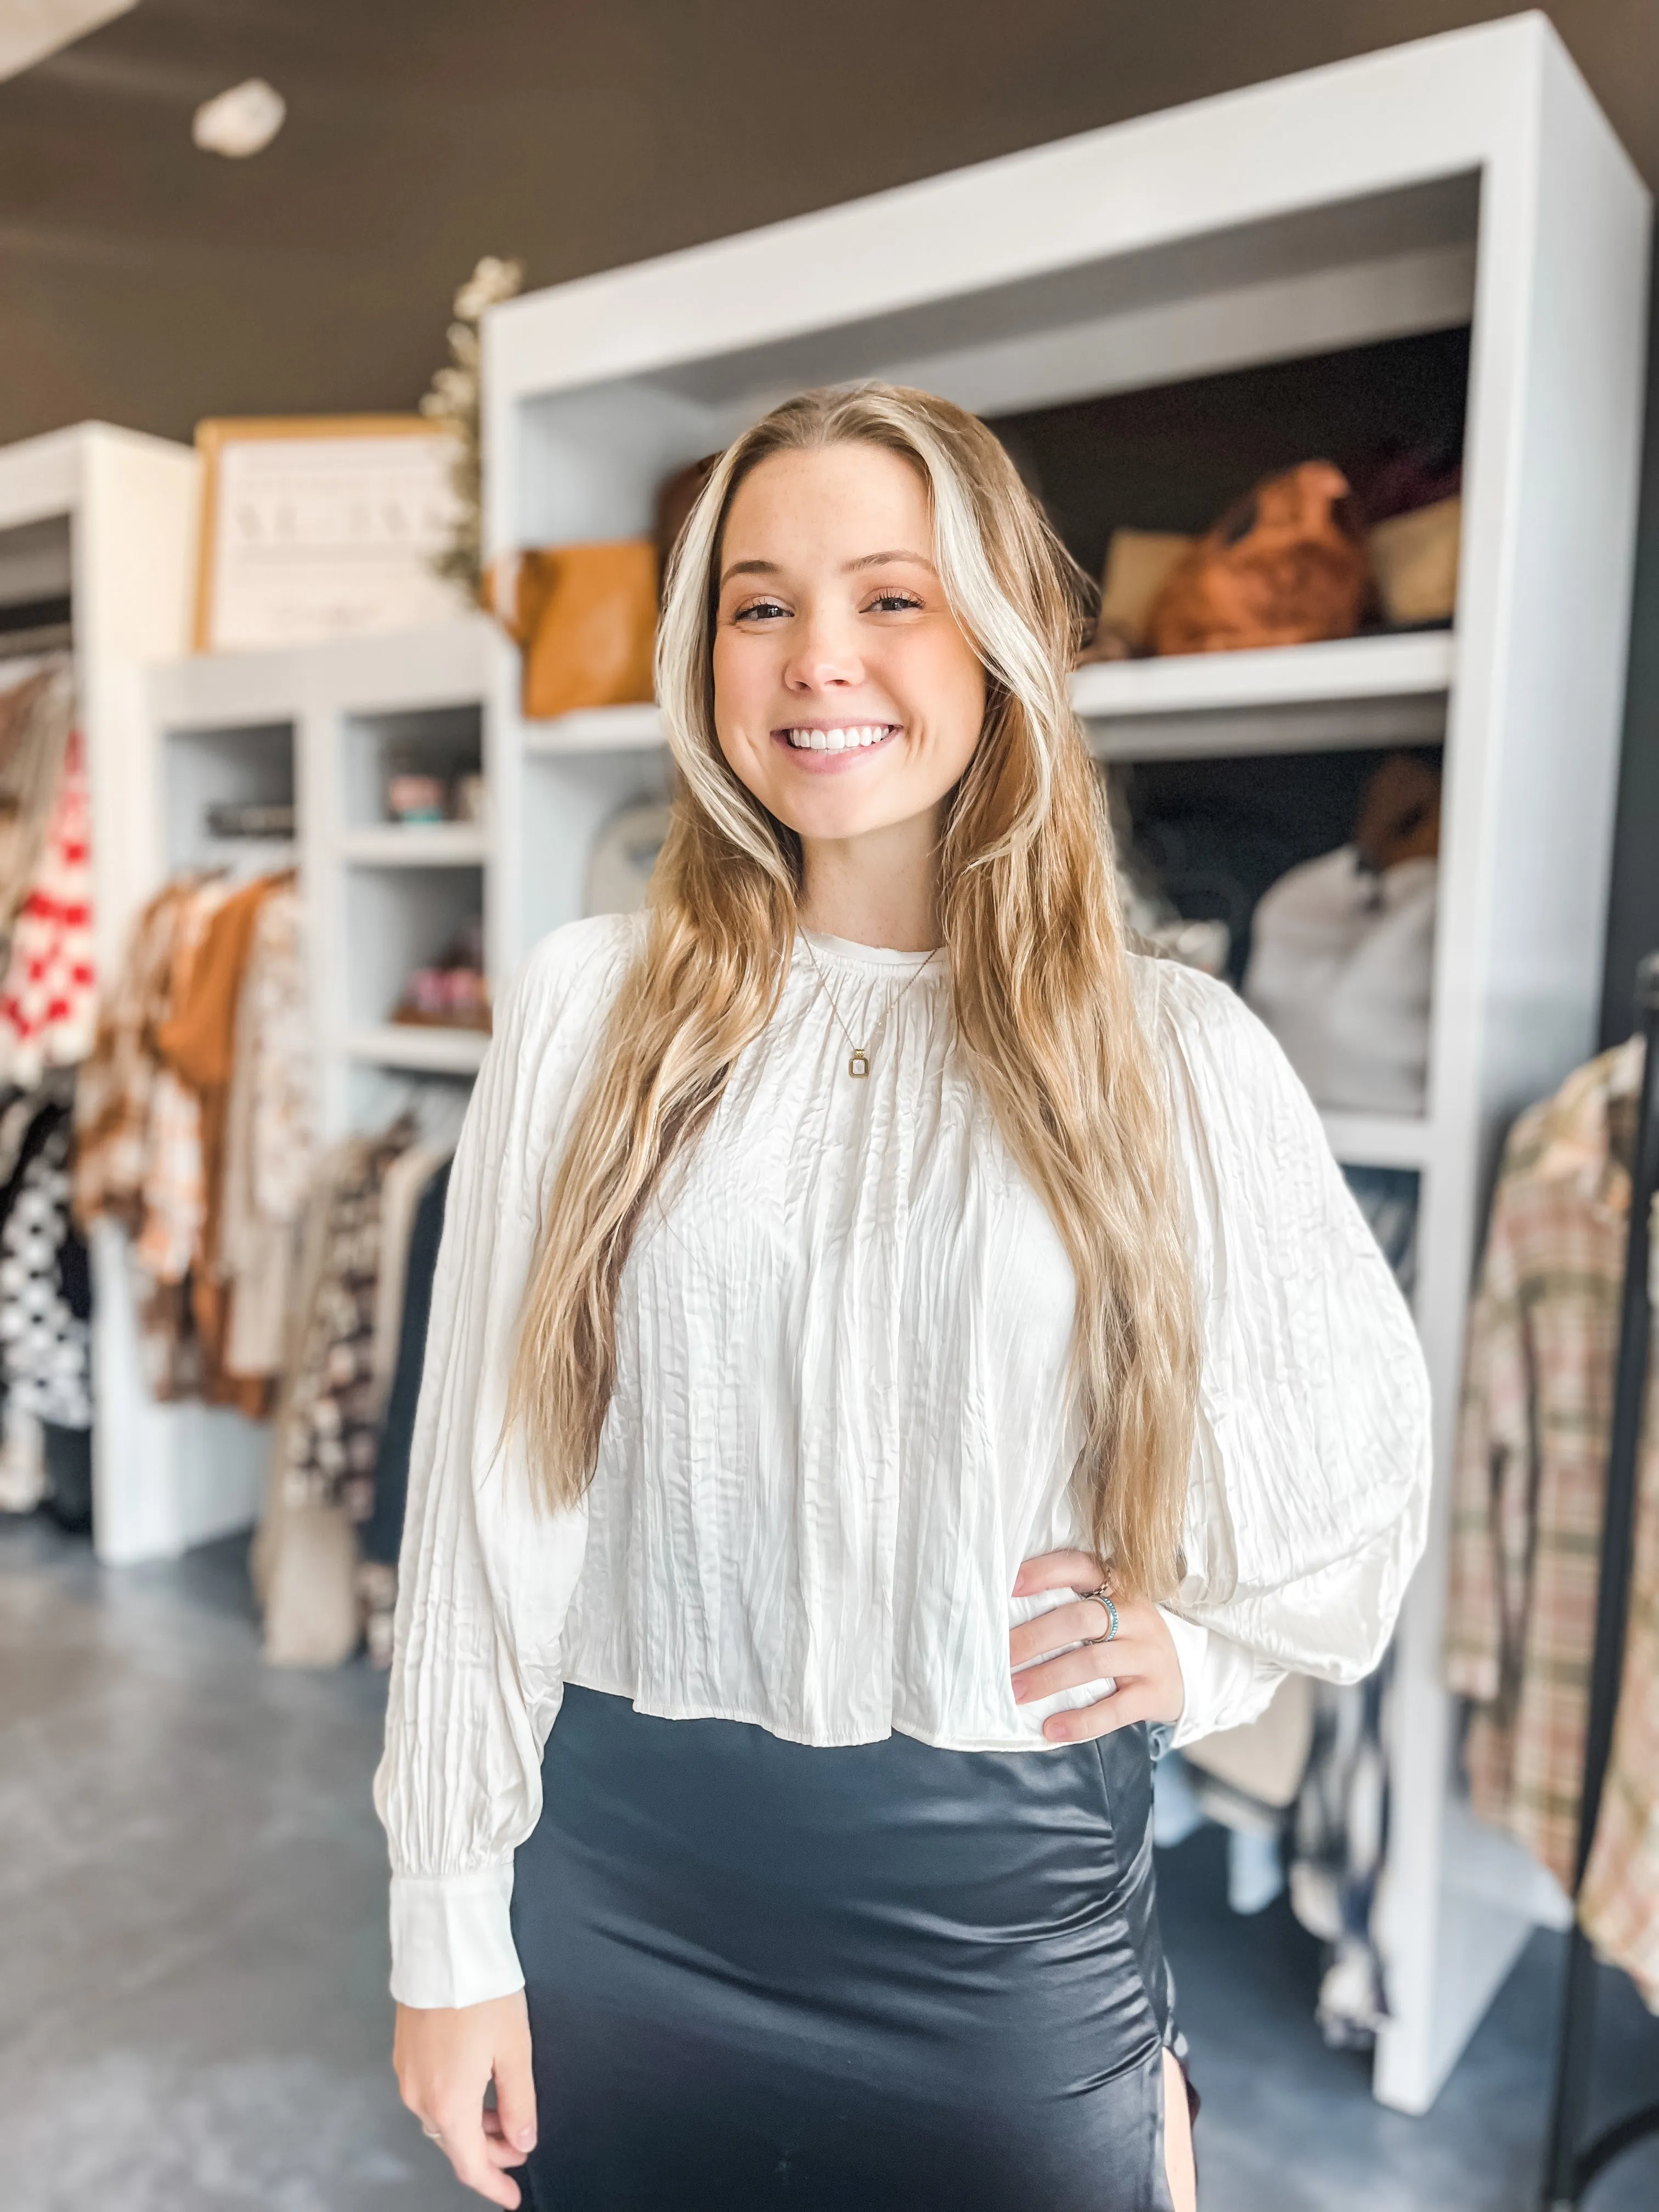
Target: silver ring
433 2134
1103 1596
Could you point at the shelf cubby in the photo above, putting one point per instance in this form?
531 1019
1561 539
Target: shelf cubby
397 920
414 1046
203 767
417 844
444 739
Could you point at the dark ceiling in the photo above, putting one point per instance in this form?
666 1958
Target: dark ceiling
148 284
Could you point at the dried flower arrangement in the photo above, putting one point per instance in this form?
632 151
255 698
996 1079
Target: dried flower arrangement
453 399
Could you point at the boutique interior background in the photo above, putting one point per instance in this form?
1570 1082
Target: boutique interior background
1467 181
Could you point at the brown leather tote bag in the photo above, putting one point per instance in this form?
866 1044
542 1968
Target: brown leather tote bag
585 618
1286 566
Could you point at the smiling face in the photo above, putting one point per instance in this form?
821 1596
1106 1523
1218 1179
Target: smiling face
846 697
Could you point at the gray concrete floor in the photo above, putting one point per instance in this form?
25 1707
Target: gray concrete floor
193 2014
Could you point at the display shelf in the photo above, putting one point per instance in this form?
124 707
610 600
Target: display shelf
1378 1140
1356 691
598 730
437 1052
417 844
249 856
1359 691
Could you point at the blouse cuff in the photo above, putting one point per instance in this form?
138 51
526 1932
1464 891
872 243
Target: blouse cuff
451 1937
1225 1684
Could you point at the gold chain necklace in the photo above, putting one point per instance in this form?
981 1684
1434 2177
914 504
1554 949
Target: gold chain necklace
858 1062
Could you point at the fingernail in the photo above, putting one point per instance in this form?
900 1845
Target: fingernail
1019 1691
1056 1731
525 2140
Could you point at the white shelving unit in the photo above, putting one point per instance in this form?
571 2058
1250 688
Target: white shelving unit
1360 692
108 518
381 898
1466 179
420 1051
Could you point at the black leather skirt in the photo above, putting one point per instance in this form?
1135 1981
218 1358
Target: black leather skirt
877 1978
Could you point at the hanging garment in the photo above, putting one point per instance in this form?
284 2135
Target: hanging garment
270 1139
401 1190
45 1289
382 1532
332 1427
174 1199
1618 1902
1340 969
198 1041
46 1301
24 1479
302 1560
1530 1483
37 711
47 1003
113 1096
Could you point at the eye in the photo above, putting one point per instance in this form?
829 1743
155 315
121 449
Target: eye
893 602
759 611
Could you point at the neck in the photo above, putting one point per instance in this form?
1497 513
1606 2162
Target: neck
880 888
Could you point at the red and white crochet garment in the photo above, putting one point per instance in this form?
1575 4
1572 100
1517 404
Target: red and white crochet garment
48 1005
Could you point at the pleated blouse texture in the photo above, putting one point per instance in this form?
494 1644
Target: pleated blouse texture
840 1417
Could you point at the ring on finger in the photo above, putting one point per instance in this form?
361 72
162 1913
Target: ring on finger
1103 1596
433 2134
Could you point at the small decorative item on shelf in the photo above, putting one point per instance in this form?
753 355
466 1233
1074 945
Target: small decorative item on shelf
423 786
1415 559
1411 499
585 619
454 992
251 819
1136 563
413 797
1286 565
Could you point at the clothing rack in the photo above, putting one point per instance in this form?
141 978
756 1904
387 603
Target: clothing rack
1572 2164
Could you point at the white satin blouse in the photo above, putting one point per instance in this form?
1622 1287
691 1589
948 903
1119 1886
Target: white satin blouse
840 1419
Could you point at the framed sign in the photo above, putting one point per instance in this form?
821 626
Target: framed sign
317 526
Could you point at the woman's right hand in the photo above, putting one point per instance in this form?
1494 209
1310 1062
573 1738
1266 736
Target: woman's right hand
445 2061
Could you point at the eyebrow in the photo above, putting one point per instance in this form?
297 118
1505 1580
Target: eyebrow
864 561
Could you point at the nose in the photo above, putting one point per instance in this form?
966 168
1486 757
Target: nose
824 655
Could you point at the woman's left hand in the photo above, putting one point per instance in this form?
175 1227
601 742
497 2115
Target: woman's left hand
1140 1658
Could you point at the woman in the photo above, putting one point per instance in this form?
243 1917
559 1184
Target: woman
892 1346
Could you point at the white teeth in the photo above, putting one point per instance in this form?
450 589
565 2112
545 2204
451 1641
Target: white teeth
837 741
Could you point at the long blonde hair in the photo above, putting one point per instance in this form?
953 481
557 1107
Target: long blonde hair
1028 907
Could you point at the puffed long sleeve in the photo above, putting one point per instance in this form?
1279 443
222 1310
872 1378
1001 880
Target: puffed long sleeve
1308 1501
485 1578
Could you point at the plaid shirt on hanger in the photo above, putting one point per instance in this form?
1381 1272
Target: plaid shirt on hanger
1529 1490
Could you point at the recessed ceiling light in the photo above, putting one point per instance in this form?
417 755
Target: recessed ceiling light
32 29
239 122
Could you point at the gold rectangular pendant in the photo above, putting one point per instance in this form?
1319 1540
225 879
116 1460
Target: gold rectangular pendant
859 1065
